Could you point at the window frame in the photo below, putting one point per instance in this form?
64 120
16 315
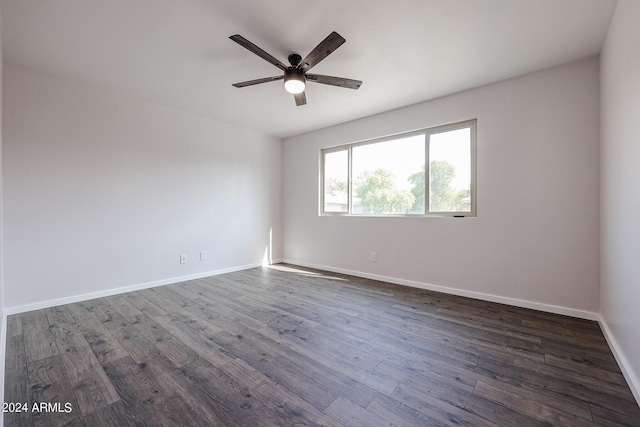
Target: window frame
427 132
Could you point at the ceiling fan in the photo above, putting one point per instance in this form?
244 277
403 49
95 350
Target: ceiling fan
296 74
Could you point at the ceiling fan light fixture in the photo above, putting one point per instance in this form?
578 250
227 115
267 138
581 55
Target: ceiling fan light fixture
294 81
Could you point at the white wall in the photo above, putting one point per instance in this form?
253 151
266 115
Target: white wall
3 326
620 196
104 191
536 234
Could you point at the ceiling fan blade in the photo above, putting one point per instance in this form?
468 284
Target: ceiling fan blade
255 49
301 98
326 46
258 81
334 81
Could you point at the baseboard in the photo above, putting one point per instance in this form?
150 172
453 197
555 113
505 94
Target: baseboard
632 380
549 308
109 292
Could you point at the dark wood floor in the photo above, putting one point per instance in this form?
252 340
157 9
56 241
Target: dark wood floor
285 346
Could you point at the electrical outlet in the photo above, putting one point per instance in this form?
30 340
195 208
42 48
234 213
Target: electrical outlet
183 258
203 255
373 257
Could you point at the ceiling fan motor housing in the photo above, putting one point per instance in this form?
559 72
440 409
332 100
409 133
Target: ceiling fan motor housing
294 59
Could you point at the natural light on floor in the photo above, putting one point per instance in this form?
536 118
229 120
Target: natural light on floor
293 269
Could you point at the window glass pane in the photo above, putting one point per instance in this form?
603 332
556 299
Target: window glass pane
450 171
388 177
336 175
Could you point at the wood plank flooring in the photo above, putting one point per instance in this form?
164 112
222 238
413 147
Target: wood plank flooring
289 346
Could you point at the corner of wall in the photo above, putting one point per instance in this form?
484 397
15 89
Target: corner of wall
627 370
619 115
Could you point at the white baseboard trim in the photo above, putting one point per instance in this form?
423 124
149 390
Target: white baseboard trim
632 379
109 292
549 308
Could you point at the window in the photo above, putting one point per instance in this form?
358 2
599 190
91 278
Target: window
336 178
386 176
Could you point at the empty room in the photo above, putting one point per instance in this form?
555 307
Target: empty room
330 213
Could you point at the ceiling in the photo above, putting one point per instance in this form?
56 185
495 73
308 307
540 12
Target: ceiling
178 53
